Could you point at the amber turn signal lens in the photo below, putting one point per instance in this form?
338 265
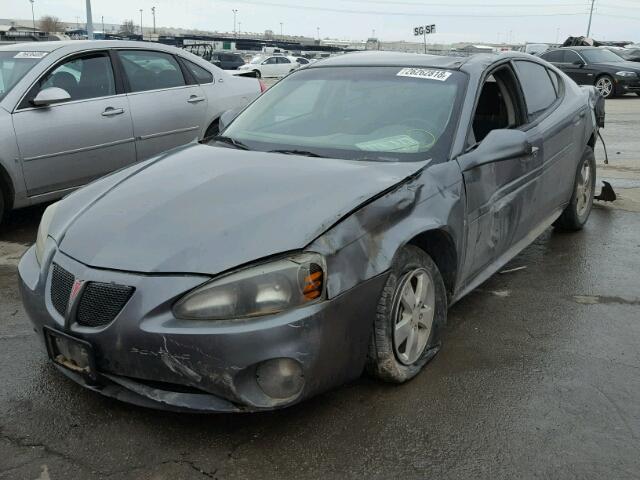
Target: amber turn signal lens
313 285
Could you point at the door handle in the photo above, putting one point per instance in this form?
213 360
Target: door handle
110 111
195 99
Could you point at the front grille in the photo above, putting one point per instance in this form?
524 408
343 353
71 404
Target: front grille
61 285
101 303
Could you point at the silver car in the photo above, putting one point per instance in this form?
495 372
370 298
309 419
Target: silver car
73 111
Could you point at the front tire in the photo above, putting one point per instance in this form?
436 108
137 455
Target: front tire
605 85
576 214
258 74
412 310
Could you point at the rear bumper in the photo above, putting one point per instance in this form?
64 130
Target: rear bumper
149 358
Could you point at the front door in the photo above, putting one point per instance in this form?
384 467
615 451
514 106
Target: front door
69 144
166 110
500 194
581 73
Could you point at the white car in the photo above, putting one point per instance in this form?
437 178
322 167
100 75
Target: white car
73 111
276 66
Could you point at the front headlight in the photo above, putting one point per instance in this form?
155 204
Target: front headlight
259 290
43 230
624 73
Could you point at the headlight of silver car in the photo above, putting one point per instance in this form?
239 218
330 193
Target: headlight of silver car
624 73
43 230
259 290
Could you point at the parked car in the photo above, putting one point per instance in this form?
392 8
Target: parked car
301 61
609 73
269 66
628 54
327 230
535 48
227 60
76 110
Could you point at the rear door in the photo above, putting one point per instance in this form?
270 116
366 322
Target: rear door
168 108
285 66
269 67
555 134
69 144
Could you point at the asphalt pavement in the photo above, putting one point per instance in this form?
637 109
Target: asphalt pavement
538 377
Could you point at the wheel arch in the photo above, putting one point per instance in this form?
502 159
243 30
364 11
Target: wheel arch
7 189
440 246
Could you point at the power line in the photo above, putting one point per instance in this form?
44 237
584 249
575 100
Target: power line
404 14
466 5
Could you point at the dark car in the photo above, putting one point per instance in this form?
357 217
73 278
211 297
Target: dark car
628 54
608 72
226 60
326 231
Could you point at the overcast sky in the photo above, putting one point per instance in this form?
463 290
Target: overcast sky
456 20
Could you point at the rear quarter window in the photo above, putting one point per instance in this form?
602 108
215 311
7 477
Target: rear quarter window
539 91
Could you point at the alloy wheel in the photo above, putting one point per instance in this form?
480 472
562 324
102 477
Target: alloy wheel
584 189
414 311
604 86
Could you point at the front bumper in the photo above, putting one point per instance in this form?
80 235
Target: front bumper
627 85
148 357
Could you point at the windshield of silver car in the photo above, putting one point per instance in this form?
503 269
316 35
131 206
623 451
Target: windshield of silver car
13 66
361 113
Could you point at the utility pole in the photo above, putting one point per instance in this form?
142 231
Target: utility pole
318 29
141 34
590 17
33 18
235 12
103 32
153 13
281 34
89 21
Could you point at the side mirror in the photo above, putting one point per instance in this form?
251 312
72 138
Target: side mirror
579 63
227 117
498 145
50 96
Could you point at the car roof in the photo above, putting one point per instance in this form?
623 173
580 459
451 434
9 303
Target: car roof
396 59
579 48
81 45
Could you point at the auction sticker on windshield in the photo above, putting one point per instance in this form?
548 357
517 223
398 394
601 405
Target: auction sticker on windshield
428 74
30 55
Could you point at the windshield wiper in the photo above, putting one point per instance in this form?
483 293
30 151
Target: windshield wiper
230 141
305 153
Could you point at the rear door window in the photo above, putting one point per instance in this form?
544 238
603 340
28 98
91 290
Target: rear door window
149 70
539 92
555 56
200 74
283 60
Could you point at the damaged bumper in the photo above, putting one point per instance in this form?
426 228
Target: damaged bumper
147 357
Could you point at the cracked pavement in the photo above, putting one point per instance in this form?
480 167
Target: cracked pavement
538 377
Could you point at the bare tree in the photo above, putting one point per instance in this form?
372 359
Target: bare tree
50 24
127 27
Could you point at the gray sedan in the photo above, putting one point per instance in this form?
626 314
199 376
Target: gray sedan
73 111
326 231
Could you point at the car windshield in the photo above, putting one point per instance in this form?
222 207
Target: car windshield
362 113
600 56
257 60
14 66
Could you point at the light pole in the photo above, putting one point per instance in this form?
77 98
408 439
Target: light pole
141 34
89 21
239 28
33 17
103 32
153 13
281 34
235 12
590 17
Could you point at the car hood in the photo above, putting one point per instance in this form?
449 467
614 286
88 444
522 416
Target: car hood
205 209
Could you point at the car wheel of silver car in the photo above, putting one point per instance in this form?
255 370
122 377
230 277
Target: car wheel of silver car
604 85
411 312
576 214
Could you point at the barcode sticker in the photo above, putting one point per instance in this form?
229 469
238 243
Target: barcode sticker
30 55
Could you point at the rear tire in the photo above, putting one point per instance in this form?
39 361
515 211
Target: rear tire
409 317
576 214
